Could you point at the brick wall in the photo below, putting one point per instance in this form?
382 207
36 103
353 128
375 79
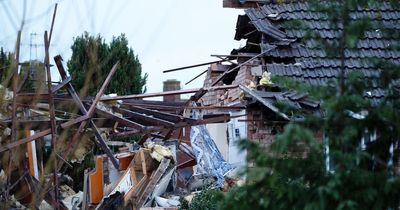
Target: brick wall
231 96
260 130
213 97
257 129
170 85
262 124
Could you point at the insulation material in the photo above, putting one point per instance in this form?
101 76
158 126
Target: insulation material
158 152
3 178
7 95
107 107
209 158
266 79
164 202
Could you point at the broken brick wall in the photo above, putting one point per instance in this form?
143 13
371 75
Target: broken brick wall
245 76
263 128
213 97
259 128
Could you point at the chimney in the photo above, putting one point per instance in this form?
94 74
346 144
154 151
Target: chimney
170 85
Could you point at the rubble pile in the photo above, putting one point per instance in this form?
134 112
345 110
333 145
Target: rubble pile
119 150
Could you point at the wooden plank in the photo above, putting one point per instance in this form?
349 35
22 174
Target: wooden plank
222 76
14 108
247 55
154 178
133 174
192 66
143 139
219 119
102 89
226 59
74 121
143 161
188 163
187 150
197 95
52 22
14 88
165 93
160 115
61 85
124 134
52 116
120 120
174 108
96 182
100 141
42 193
205 71
162 108
132 193
153 102
194 98
145 118
168 134
43 124
29 97
92 108
40 134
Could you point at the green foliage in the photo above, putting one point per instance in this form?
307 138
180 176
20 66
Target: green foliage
5 63
77 171
184 204
29 83
298 172
92 60
129 139
207 199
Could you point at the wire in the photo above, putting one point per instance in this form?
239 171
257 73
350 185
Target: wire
13 23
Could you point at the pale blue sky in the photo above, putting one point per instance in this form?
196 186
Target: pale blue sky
164 33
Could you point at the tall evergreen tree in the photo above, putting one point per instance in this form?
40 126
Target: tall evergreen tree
92 59
5 61
355 166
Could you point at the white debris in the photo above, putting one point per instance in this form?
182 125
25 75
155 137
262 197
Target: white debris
7 131
158 152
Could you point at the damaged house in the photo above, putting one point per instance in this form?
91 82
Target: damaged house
175 137
276 47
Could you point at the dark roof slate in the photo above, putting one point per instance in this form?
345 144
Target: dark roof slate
310 64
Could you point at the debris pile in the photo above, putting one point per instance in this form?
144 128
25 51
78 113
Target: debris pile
138 147
59 151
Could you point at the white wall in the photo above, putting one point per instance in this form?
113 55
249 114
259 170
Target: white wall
218 134
227 135
237 130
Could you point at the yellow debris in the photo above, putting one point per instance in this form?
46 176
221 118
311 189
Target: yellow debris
266 79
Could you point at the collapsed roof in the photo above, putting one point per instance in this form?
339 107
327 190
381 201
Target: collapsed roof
269 29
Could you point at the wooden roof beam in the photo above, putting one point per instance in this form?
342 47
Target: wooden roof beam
165 93
157 114
145 118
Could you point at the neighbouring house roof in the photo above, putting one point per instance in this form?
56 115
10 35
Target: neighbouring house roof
268 29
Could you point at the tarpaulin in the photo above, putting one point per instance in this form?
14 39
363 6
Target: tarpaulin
209 158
